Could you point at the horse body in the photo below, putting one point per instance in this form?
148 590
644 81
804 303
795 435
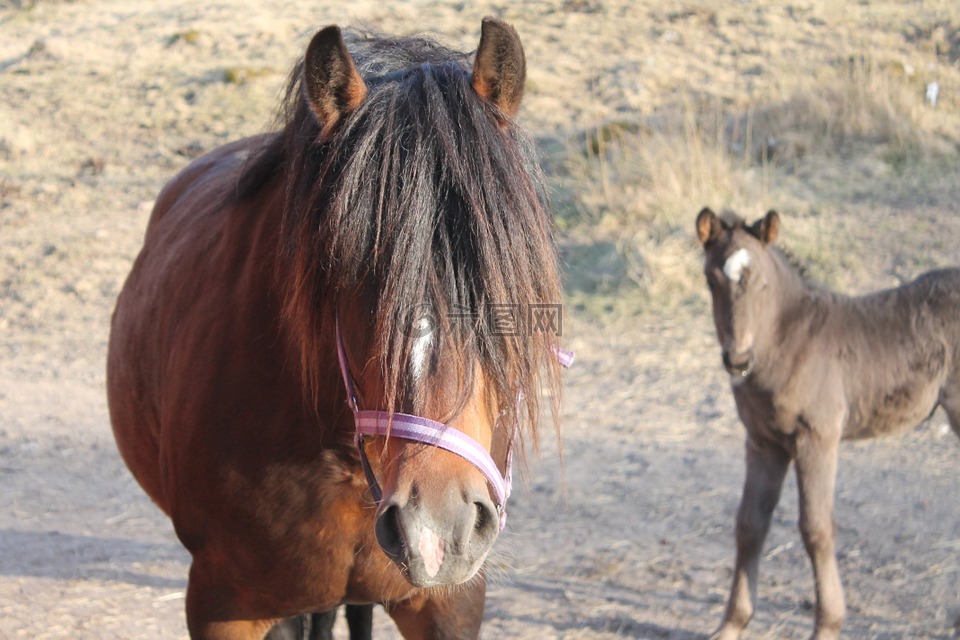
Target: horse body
278 270
193 429
831 350
809 368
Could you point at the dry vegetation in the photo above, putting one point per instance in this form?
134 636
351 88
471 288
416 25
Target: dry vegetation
827 130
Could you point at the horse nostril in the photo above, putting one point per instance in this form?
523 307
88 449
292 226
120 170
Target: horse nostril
739 363
482 517
486 523
388 532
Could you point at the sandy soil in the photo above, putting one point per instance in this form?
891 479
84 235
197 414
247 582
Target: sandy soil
631 535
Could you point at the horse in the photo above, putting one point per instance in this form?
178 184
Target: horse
808 368
302 372
319 626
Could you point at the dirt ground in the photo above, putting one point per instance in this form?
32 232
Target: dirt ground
630 536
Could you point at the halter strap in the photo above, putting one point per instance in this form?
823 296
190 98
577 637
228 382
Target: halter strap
427 431
438 434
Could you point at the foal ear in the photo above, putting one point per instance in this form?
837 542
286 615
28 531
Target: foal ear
500 68
333 85
708 226
768 227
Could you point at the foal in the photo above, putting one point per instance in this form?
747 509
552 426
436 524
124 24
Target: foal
808 368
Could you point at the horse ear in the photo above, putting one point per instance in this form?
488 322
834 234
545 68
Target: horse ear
333 85
500 68
768 227
708 226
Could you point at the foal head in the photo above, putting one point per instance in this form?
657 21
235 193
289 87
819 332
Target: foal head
741 275
413 210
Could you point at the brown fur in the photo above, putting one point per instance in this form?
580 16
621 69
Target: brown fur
809 368
224 389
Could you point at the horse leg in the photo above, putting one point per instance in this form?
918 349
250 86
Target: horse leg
293 629
454 614
212 609
950 401
360 621
766 468
321 625
816 480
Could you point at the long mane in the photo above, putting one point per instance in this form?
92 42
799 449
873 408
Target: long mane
422 196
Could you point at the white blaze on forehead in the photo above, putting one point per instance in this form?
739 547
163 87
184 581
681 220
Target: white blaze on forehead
420 351
735 264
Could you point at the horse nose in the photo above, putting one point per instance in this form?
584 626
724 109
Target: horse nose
738 363
440 541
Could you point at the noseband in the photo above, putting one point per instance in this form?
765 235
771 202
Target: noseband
430 432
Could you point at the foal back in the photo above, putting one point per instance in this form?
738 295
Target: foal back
899 355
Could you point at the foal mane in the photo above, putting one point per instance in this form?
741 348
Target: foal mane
421 195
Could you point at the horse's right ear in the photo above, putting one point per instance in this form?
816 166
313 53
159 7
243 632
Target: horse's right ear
708 226
333 85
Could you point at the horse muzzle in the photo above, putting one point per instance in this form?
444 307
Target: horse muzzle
438 535
738 365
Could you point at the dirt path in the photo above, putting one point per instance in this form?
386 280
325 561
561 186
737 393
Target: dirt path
631 536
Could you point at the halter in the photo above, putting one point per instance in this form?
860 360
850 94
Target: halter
430 432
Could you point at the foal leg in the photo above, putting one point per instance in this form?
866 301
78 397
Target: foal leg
449 614
766 468
950 401
816 479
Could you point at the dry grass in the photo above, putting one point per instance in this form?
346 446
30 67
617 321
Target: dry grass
638 185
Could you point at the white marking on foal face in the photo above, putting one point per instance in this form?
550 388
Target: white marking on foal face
420 352
735 264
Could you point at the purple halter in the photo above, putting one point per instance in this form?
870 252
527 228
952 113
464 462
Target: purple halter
431 432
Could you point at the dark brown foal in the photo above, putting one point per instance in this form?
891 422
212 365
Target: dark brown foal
809 368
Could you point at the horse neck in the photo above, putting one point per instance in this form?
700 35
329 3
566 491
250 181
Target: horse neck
795 303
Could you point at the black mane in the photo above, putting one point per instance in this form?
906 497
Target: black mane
422 195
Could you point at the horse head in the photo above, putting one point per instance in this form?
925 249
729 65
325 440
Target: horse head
740 274
419 240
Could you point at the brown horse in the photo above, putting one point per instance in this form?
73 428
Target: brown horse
398 199
808 368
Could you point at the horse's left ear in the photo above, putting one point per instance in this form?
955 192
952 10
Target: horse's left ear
500 68
768 227
333 85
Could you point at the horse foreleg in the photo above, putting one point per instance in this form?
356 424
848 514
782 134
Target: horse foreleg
360 621
448 614
816 480
766 468
213 609
289 629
